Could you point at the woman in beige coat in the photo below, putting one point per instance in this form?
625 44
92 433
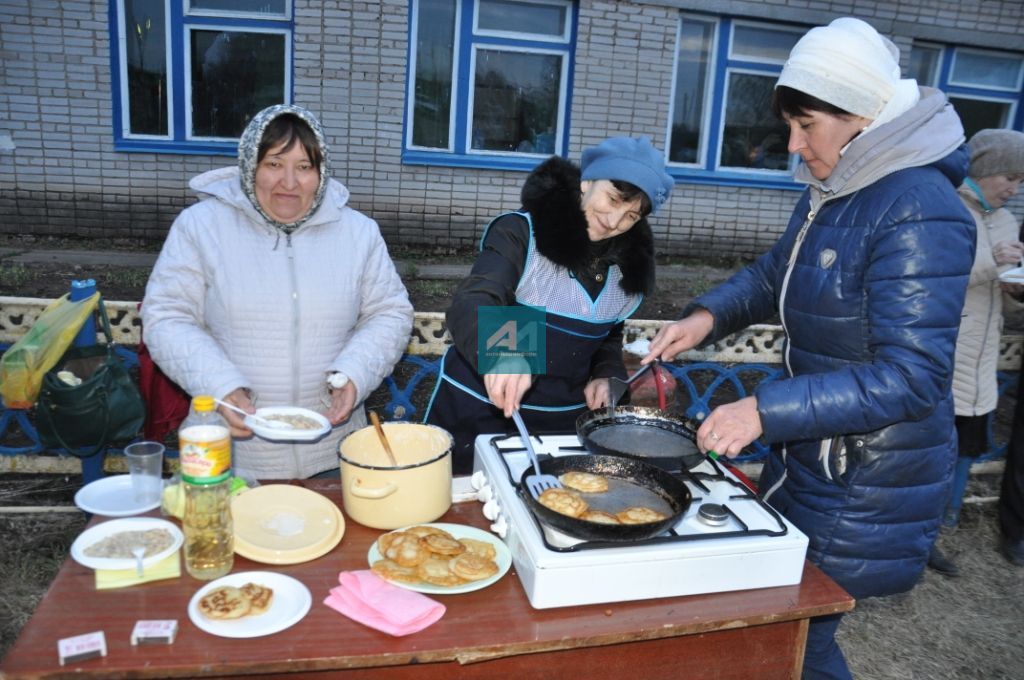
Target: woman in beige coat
995 174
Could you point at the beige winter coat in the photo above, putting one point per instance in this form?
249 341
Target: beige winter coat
975 390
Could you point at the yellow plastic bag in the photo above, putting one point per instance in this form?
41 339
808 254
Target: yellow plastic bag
24 364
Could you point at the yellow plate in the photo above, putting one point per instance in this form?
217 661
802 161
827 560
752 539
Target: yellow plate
285 524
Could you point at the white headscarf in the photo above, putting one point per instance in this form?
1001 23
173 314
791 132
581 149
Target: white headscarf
850 65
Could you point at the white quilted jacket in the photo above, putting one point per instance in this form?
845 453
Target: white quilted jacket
975 389
234 302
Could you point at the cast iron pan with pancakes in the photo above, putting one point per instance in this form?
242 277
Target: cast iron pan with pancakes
632 482
641 432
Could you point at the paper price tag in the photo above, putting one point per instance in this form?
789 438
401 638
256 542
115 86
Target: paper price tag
154 631
82 647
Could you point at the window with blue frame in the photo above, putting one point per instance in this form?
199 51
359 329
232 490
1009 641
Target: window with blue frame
722 129
188 75
489 81
984 86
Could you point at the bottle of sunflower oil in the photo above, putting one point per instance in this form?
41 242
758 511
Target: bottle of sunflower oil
204 444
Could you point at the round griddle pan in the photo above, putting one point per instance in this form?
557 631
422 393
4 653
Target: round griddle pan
640 432
631 482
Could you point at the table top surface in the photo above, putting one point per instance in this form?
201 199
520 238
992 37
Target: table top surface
493 622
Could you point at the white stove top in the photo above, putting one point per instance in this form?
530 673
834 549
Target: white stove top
753 547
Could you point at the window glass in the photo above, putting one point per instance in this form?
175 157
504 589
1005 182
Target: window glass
978 114
515 101
435 50
694 62
752 136
522 17
146 61
924 65
264 7
982 69
234 76
490 83
763 43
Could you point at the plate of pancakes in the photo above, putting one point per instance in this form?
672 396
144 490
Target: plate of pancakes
249 604
440 558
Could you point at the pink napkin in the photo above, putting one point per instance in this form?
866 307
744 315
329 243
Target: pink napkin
367 598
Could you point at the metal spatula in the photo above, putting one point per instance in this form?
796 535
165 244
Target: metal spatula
537 483
618 386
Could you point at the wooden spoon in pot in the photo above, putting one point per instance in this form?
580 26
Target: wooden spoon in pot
383 439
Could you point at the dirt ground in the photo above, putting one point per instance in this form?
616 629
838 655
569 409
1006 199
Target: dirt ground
679 282
965 628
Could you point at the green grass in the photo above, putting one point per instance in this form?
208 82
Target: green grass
14 276
432 287
127 277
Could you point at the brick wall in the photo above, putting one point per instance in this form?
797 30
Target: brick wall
64 176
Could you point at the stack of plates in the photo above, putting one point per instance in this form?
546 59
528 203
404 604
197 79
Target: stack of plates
284 524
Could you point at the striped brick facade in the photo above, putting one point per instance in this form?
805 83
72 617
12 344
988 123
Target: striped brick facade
63 176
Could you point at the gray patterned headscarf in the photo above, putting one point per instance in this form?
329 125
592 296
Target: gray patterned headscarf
248 149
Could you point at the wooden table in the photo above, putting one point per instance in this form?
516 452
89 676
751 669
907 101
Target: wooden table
490 633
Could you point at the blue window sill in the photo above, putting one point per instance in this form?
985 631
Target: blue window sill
751 180
452 160
186 148
527 163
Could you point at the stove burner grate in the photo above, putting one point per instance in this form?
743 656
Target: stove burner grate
742 494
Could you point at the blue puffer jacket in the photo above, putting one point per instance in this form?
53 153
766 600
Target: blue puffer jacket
869 282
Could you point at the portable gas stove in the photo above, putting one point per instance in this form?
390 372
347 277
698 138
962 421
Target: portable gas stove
728 539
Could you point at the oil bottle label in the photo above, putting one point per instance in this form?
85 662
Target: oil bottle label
205 454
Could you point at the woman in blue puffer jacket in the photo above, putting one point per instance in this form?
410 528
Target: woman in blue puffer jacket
868 280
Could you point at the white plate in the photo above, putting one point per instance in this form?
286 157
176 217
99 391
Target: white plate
1015 275
97 533
504 560
288 434
291 602
112 497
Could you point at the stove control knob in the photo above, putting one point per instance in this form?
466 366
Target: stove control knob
492 510
478 480
500 527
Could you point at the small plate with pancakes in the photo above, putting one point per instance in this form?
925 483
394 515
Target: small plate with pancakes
501 559
249 604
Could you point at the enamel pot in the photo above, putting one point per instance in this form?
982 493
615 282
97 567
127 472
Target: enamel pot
417 490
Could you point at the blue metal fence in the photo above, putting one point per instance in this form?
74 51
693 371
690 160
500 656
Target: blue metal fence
698 386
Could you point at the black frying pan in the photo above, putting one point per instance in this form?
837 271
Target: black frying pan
640 432
631 482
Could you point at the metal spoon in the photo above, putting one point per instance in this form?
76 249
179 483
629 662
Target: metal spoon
139 552
273 424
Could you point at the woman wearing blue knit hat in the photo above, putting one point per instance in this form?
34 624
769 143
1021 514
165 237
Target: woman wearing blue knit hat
580 250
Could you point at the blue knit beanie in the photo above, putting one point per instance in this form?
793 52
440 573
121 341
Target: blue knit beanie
633 160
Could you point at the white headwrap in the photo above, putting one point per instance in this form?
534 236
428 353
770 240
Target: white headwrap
850 65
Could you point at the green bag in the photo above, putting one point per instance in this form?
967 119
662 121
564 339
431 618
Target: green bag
106 407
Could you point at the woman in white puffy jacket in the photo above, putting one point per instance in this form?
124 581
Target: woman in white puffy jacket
271 291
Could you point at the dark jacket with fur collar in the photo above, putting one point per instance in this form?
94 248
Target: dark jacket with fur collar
551 194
